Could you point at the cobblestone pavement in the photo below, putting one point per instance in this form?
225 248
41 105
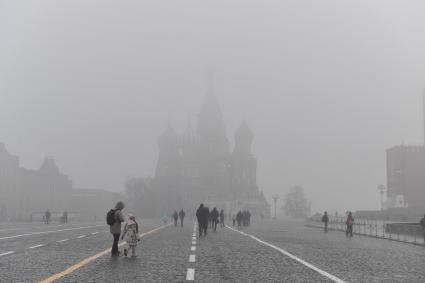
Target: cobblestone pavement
174 255
357 259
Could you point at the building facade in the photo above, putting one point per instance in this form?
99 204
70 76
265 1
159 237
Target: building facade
406 176
26 194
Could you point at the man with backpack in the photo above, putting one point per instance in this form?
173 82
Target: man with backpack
114 218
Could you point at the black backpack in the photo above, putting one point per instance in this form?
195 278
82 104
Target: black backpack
110 217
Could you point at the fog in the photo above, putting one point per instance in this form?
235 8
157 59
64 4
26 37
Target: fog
326 86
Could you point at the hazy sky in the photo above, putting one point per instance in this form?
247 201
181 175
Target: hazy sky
326 86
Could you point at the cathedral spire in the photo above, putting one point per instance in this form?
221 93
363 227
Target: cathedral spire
211 126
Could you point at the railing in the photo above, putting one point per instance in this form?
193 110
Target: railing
401 232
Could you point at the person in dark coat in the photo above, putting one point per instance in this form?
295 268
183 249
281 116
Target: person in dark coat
214 218
422 223
182 214
325 220
115 228
175 217
222 218
202 214
239 217
47 216
349 223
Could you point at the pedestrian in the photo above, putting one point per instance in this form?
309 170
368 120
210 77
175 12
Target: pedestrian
202 214
47 216
248 218
422 223
131 234
114 218
214 219
176 217
349 223
325 220
222 218
182 214
164 219
65 216
239 219
234 220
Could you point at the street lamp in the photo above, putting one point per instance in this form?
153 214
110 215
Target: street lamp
382 189
275 198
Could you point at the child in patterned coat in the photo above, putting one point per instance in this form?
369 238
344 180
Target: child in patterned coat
131 234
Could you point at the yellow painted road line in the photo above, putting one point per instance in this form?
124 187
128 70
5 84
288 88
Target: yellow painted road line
92 258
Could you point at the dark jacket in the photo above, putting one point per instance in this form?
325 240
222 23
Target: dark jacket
202 214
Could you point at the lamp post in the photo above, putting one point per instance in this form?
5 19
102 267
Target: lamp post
275 198
382 189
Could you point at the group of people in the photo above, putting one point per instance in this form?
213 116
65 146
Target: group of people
209 218
114 219
180 215
48 216
242 218
349 223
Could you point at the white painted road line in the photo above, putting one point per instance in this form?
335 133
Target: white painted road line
190 275
82 236
47 232
94 233
193 242
309 265
61 241
37 246
192 258
193 248
7 253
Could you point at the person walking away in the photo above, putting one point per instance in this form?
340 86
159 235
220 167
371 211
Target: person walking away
114 218
131 234
234 220
222 218
176 217
202 214
182 214
349 223
325 220
65 216
239 219
214 219
47 216
422 223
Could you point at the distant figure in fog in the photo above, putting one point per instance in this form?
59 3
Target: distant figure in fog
202 214
164 219
214 218
239 218
349 223
175 217
47 216
114 218
422 223
182 214
65 216
325 220
131 234
222 218
234 220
